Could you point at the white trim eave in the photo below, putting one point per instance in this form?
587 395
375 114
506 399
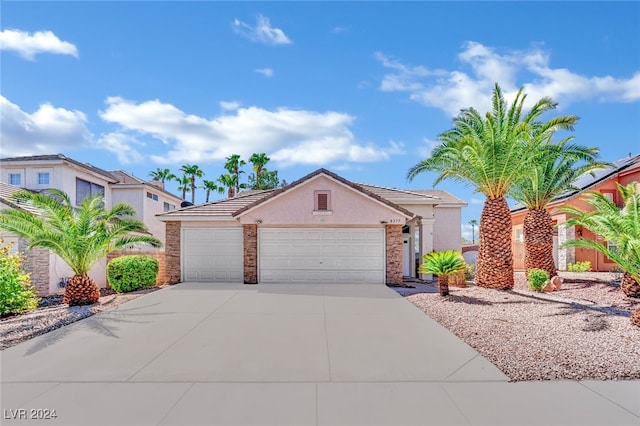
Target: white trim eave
190 218
362 194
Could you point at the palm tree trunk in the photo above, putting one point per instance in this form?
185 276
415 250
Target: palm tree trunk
538 241
495 258
193 189
629 286
443 285
81 290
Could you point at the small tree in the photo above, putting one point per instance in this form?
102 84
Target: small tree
443 264
80 236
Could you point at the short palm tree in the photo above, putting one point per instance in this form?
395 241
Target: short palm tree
184 185
81 237
259 161
209 186
493 153
192 171
553 174
620 228
233 165
443 264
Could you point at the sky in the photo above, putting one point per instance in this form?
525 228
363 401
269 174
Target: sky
360 88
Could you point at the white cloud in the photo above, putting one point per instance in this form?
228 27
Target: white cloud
48 130
267 72
229 105
288 136
477 201
263 32
28 45
425 150
122 145
339 30
483 66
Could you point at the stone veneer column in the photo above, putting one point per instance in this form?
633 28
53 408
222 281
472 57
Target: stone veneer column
36 262
172 252
250 236
568 254
393 237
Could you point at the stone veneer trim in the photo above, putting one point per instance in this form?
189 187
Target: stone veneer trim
393 248
172 252
250 248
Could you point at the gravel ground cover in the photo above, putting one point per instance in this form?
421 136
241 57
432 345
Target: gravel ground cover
580 332
52 314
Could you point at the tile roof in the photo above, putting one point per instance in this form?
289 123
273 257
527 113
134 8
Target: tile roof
6 198
221 208
59 157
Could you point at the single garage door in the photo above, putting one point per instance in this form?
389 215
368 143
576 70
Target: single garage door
340 255
212 254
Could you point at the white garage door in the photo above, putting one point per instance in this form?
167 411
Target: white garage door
212 254
338 255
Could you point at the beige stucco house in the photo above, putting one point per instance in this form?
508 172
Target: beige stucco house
78 180
321 228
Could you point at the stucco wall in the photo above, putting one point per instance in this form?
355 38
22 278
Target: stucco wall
447 234
347 207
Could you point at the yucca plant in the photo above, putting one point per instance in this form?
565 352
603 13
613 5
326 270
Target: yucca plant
553 174
619 227
443 264
492 153
80 236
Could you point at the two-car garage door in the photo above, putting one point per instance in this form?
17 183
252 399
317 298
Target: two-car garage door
322 255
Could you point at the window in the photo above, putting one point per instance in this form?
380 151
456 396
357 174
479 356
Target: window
86 189
322 201
519 235
153 196
43 178
15 179
168 207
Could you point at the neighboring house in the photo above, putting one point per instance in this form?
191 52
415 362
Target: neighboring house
605 181
80 180
321 228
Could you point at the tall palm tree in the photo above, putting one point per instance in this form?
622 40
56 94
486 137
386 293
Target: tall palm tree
233 165
552 175
81 237
211 185
492 153
473 224
443 264
192 171
162 175
229 181
620 228
258 161
184 185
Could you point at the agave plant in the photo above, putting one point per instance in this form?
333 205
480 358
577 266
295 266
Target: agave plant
81 237
443 264
620 228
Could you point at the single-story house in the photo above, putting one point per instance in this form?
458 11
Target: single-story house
623 172
320 228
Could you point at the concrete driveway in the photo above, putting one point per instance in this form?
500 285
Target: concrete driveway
281 354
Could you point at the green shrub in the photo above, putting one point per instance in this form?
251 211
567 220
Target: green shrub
129 273
537 279
17 295
579 266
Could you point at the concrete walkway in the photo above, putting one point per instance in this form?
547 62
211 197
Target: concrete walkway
232 354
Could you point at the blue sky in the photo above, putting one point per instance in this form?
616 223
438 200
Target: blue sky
360 88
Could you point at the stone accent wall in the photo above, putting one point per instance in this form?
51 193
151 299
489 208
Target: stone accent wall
36 262
159 255
393 237
250 235
565 255
172 252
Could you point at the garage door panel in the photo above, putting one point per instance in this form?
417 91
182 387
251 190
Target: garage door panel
212 254
321 255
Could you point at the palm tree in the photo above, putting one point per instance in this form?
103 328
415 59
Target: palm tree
79 236
620 228
552 175
211 185
443 264
233 165
258 161
473 224
493 153
192 171
229 181
184 185
162 175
